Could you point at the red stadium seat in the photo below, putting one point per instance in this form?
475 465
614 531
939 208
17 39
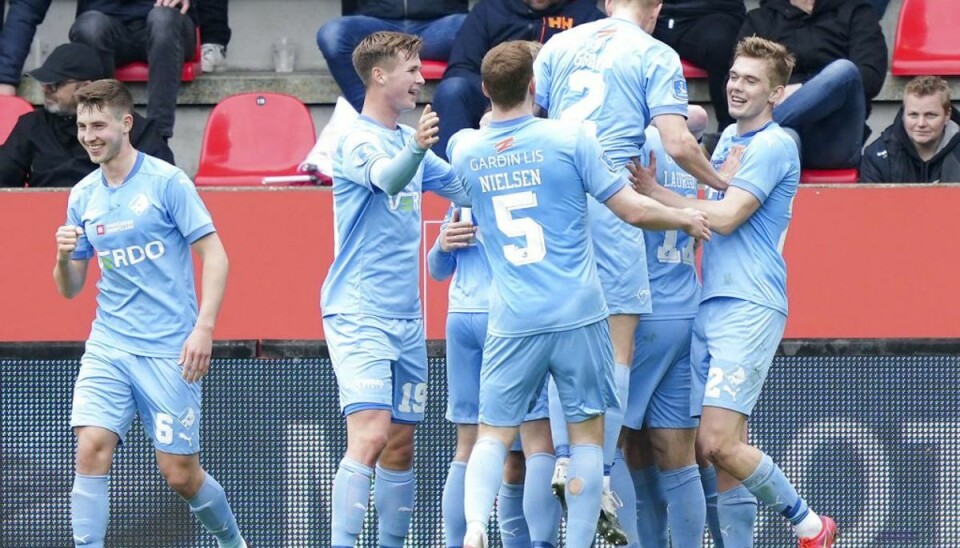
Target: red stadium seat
11 109
139 71
829 176
432 70
250 136
927 41
692 71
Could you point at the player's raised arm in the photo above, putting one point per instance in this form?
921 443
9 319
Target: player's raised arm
69 273
392 174
195 356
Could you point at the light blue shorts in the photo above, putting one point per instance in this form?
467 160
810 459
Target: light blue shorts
660 376
733 345
621 261
113 385
380 363
514 373
466 333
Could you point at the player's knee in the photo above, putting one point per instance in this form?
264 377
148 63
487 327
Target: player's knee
93 460
186 481
514 469
716 446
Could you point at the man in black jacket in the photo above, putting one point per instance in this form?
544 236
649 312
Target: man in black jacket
435 21
458 99
43 149
923 143
841 64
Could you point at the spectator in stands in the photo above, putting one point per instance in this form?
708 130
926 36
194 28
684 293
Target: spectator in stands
435 21
160 32
458 99
880 6
16 35
704 32
214 34
43 149
923 143
841 64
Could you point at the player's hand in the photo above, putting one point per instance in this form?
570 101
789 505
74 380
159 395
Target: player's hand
643 179
697 224
67 237
184 4
195 355
428 128
732 163
457 234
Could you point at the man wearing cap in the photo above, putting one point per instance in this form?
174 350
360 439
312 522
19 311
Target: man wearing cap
43 150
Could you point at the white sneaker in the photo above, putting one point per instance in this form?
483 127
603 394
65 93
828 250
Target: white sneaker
608 525
476 536
213 58
559 481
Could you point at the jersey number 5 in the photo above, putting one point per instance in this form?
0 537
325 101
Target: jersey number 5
524 227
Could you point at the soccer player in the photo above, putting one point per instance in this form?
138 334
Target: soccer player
528 179
743 308
458 253
370 298
615 76
659 434
149 345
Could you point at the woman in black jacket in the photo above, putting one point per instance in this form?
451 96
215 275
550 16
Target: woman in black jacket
841 64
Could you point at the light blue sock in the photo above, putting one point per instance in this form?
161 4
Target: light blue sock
613 418
737 512
351 493
213 511
686 507
483 479
393 496
558 421
454 524
586 475
708 479
513 526
622 485
541 508
651 507
772 488
90 509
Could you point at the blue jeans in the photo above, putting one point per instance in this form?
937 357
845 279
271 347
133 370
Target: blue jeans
460 103
337 38
829 112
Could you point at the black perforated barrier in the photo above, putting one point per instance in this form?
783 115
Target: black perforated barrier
873 441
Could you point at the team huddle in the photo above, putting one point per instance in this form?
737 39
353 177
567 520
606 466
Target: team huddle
590 375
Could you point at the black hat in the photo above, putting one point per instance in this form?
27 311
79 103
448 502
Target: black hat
71 61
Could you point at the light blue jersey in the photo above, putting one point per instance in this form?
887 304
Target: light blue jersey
615 75
376 236
140 233
748 263
528 180
470 287
674 285
617 78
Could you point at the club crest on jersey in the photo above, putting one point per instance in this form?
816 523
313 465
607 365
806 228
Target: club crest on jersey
680 89
504 145
139 204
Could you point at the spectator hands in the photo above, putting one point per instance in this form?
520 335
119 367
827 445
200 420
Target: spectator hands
427 129
457 234
184 4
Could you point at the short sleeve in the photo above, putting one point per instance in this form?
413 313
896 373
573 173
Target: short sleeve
358 153
186 209
600 177
762 166
666 88
543 75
